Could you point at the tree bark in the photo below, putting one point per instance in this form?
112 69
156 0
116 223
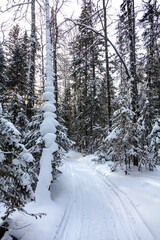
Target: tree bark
107 65
31 73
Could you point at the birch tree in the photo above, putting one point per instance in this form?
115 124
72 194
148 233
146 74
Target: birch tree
31 72
48 126
107 63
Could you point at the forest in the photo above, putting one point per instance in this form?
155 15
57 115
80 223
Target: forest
88 82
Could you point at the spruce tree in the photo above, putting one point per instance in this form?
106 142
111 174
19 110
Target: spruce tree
119 144
128 10
151 25
17 78
16 163
86 65
154 146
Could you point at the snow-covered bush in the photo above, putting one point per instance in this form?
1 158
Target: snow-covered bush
154 147
34 141
16 175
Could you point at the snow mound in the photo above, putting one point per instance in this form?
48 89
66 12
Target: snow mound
49 96
49 107
49 138
49 89
49 115
47 126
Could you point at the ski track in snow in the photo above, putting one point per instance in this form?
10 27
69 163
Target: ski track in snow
96 209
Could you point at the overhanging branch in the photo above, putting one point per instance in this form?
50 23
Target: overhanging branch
100 34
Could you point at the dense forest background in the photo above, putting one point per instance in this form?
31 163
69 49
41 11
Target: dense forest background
107 95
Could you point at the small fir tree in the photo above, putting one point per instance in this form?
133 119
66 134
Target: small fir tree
16 163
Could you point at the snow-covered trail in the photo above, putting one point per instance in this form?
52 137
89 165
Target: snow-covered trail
96 210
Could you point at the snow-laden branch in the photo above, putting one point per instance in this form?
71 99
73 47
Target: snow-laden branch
100 34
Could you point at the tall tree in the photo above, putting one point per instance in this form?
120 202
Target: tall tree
17 70
17 66
16 175
108 78
3 77
48 126
31 72
151 25
86 65
128 10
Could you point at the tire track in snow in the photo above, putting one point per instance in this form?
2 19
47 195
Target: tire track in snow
134 218
64 221
97 210
69 228
96 224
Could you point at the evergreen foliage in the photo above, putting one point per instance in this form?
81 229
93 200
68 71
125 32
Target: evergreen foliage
154 146
87 109
16 163
151 27
121 122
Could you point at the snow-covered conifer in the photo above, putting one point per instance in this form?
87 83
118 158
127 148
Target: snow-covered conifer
16 175
154 147
119 145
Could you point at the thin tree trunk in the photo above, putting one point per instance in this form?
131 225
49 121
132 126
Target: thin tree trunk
131 32
54 38
134 91
107 64
31 73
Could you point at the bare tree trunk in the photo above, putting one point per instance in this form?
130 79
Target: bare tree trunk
42 57
107 64
134 91
54 39
131 32
31 73
48 126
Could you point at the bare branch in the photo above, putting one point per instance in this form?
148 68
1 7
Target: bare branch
13 6
100 34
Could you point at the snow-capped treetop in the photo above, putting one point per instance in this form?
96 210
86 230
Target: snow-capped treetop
156 126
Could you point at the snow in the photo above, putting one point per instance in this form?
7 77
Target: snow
92 203
156 127
113 135
50 115
142 190
42 191
0 108
48 107
11 127
2 156
49 138
26 156
49 96
47 126
49 88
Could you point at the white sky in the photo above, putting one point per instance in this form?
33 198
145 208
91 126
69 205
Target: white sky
72 8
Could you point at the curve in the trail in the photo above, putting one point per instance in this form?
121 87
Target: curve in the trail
96 210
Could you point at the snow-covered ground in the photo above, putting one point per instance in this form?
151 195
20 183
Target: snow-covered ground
91 203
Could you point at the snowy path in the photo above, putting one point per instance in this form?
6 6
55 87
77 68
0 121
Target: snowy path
96 209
